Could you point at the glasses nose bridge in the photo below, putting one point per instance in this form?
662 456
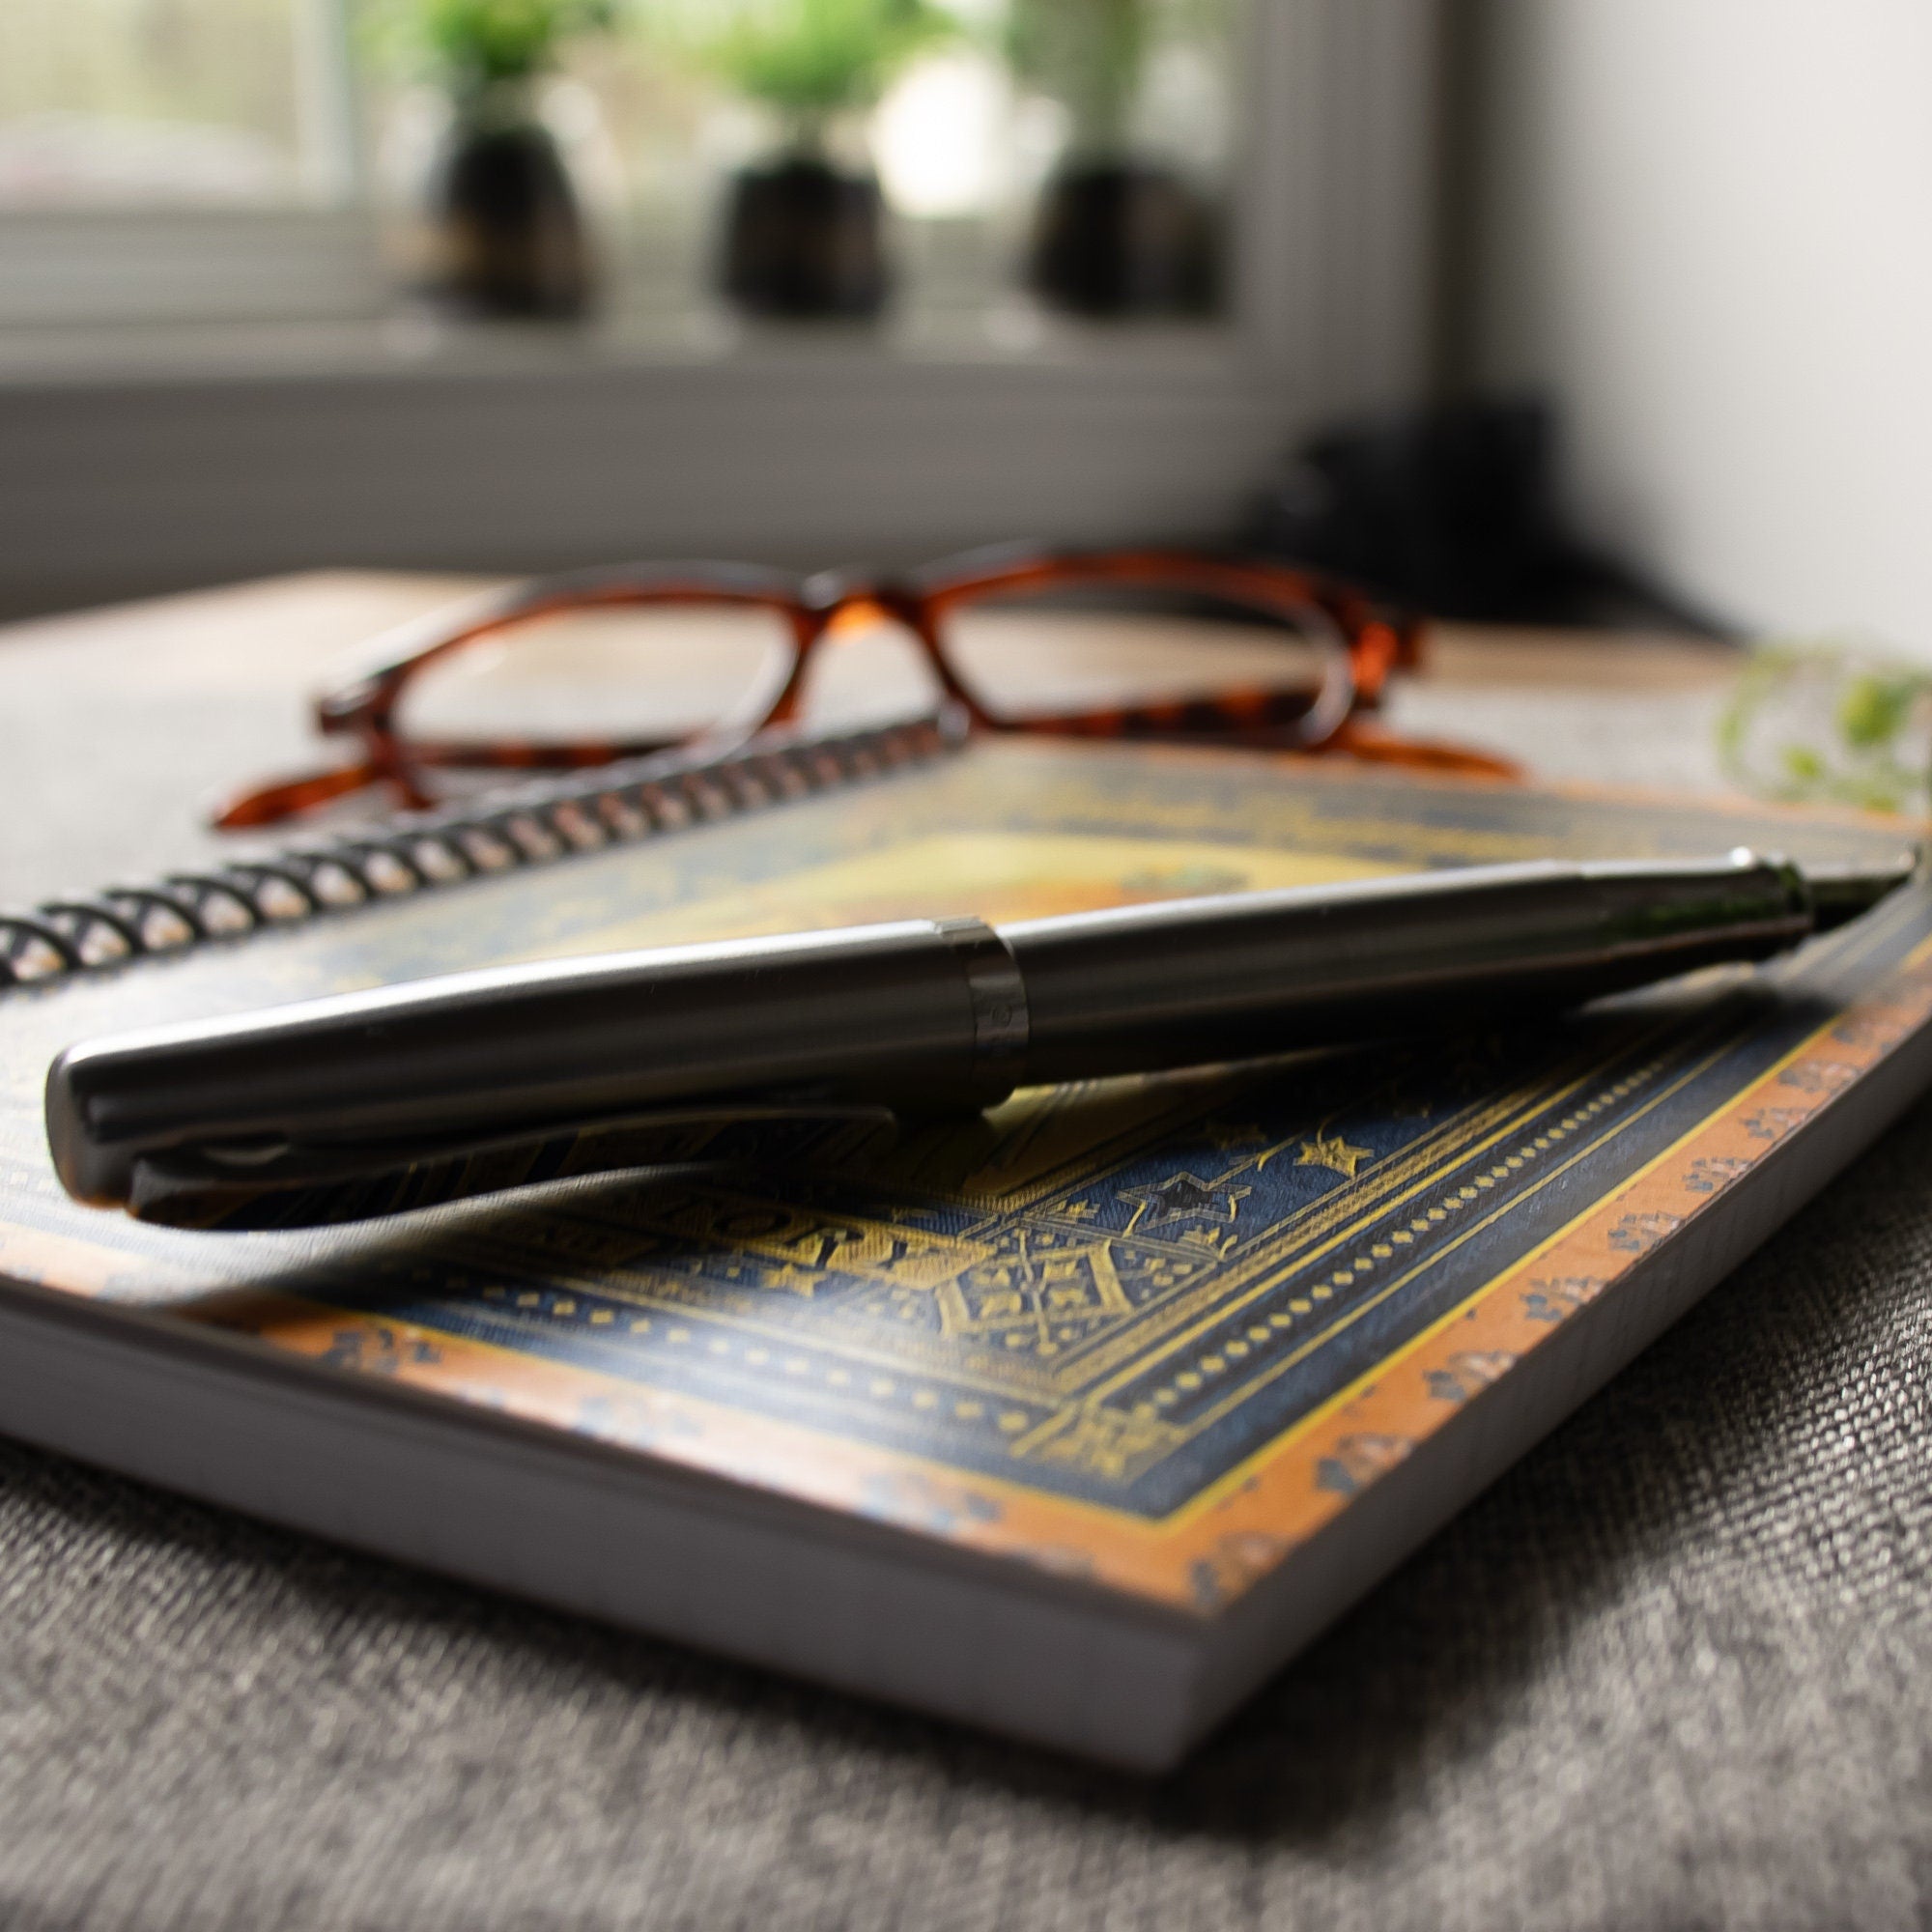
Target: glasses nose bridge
363 709
848 600
826 590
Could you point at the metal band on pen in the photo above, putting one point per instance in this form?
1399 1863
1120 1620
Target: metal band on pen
1000 1027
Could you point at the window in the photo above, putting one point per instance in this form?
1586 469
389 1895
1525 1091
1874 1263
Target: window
274 406
176 158
173 104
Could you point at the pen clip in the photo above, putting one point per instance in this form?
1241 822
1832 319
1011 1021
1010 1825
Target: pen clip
265 1186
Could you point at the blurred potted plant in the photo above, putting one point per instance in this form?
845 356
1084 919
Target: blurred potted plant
1116 233
510 235
803 232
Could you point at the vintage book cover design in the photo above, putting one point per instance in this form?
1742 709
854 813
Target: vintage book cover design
1151 1332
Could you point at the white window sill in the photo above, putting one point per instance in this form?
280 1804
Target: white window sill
407 342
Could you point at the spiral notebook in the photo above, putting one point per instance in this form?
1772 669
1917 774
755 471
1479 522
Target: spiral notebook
1073 1420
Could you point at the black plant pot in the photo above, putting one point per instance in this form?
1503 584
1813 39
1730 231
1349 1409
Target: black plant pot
1118 239
513 239
803 240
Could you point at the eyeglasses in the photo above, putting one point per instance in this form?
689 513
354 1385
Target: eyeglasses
588 667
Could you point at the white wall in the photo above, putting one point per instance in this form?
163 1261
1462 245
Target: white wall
1707 227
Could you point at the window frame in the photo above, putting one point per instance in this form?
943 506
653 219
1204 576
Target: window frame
326 434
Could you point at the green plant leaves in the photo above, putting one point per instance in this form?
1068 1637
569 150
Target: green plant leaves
478 44
1839 722
813 59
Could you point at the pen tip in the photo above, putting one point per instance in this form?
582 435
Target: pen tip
1840 894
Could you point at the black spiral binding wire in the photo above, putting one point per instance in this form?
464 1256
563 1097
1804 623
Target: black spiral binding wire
528 826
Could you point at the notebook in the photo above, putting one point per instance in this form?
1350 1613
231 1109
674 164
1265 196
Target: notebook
1072 1420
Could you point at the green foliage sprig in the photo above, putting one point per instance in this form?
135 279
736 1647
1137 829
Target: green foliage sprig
1828 721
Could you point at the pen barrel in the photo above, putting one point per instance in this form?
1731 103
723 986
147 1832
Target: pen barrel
920 1016
1145 987
915 1014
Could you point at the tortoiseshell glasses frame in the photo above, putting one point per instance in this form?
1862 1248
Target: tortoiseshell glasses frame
1359 643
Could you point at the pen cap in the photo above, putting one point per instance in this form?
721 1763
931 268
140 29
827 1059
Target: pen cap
1247 973
909 1013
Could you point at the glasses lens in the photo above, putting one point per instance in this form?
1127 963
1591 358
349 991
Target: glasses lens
1159 657
632 675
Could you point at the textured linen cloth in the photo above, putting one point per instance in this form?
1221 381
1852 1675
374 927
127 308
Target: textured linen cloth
1675 1670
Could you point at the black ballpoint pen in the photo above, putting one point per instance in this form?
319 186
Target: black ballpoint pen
918 1016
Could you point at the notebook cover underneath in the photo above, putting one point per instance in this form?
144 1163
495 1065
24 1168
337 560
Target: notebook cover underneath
1152 1334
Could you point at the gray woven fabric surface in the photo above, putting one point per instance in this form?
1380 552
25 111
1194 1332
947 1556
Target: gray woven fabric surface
1675 1670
